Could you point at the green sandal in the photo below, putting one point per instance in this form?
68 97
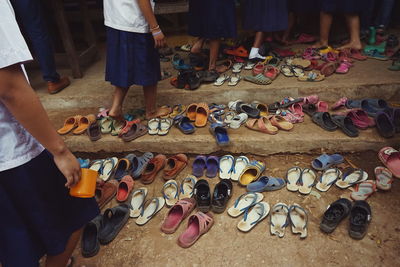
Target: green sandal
258 79
395 65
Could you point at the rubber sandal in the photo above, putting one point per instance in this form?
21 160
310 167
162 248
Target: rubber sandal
360 217
225 66
199 165
90 244
239 52
266 183
202 112
137 201
356 54
334 214
220 133
251 172
384 178
311 99
177 110
324 120
244 202
125 187
346 125
83 123
364 190
226 166
165 125
237 67
262 124
212 168
69 124
253 216
177 214
116 127
249 65
198 224
326 161
108 168
311 77
221 80
113 221
280 122
258 79
306 181
297 108
279 219
310 109
263 109
351 177
271 72
139 164
105 192
191 111
170 192
298 219
122 168
184 124
187 187
293 176
328 178
137 130
360 119
240 163
384 125
234 80
287 70
150 210
328 68
390 157
150 168
340 103
179 64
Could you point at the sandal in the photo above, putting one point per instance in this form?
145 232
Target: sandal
234 80
198 224
184 124
202 112
187 187
351 177
239 52
293 176
134 132
280 122
311 77
244 202
324 120
170 192
279 219
148 212
83 123
384 178
69 124
258 79
299 220
237 67
306 181
177 214
137 201
262 124
346 125
390 157
253 216
165 125
125 187
328 178
221 80
363 190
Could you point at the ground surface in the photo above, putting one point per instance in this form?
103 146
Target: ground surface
224 245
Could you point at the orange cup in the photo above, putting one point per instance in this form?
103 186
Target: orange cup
86 186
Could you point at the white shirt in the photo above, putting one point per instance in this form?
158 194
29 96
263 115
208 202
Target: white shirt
17 146
125 15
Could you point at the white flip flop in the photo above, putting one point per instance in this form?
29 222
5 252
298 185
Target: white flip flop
234 80
108 168
137 201
226 166
292 178
244 202
165 125
96 165
232 105
352 177
328 178
149 211
384 178
221 80
299 220
249 65
240 163
153 126
170 192
364 190
187 187
279 219
237 67
253 216
307 180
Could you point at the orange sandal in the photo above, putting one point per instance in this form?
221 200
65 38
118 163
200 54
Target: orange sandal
83 123
239 52
191 111
69 124
202 112
280 122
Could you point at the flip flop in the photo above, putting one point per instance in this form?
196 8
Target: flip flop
293 176
279 219
324 120
108 168
234 80
265 183
364 190
390 157
253 216
170 192
198 224
287 70
221 80
154 126
83 123
187 187
137 201
351 177
97 165
328 178
346 125
237 67
125 187
165 126
226 166
199 165
150 210
306 181
325 161
240 163
311 77
384 178
177 214
177 110
244 202
116 127
69 124
251 172
299 220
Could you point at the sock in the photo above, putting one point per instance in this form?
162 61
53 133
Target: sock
254 53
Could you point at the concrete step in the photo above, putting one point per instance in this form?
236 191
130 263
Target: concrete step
306 137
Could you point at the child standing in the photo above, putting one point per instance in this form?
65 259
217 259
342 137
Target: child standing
133 36
39 217
212 20
264 16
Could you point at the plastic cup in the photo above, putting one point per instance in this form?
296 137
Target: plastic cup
86 186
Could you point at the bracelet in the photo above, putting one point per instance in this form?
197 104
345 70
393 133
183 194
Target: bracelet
155 28
157 33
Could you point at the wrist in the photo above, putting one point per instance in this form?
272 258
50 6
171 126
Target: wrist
59 150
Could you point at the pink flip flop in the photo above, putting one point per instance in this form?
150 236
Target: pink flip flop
312 99
340 103
177 214
296 108
198 225
322 106
384 178
390 157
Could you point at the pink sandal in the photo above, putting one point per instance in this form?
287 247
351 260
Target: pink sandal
198 225
258 68
344 67
296 108
322 106
390 157
312 99
340 103
384 178
360 119
364 190
177 214
293 118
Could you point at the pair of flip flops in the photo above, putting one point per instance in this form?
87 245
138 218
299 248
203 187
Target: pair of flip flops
105 167
159 126
232 80
229 168
144 210
300 180
172 192
283 215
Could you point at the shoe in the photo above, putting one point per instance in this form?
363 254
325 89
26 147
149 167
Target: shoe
174 165
90 243
222 194
360 217
113 221
334 214
55 87
152 168
202 195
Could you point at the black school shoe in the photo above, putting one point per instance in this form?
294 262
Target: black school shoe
90 244
222 194
113 221
360 216
202 195
334 214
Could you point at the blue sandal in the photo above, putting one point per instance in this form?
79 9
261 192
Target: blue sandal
326 161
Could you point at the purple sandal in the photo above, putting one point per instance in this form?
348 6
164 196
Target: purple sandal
199 164
212 164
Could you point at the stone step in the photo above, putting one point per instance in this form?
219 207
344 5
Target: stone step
306 137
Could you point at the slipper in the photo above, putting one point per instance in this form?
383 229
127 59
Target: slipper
108 168
262 124
69 124
226 166
328 178
202 112
310 109
150 210
137 130
234 80
306 181
261 107
179 64
322 106
326 161
299 62
121 169
293 118
266 183
90 244
259 68
344 67
293 176
154 126
324 120
356 54
225 66
237 67
384 178
212 164
390 157
250 110
184 48
334 214
280 122
253 216
199 165
177 110
220 133
244 202
297 108
340 103
346 125
287 70
249 65
258 79
137 201
251 172
364 190
184 124
299 219
328 68
177 214
139 165
125 187
237 120
360 119
83 123
170 192
198 224
113 221
311 77
97 165
351 177
187 187
174 165
165 125
150 168
105 192
239 52
191 111
221 80
279 219
360 217
116 127
384 125
240 163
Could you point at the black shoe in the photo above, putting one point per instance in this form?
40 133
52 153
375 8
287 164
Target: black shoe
202 195
360 216
335 213
221 196
90 245
113 221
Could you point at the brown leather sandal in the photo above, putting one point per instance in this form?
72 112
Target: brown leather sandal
134 132
174 166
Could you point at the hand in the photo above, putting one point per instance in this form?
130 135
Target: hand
69 167
159 40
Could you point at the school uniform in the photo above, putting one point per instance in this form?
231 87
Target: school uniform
342 6
38 214
131 55
212 19
304 6
265 15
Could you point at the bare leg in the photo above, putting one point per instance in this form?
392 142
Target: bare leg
118 100
62 259
258 39
198 45
285 36
214 49
353 22
325 22
150 101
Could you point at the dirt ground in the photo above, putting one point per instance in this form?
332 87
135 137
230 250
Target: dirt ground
224 245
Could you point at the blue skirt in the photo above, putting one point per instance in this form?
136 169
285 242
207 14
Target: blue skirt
265 15
342 6
212 19
38 214
131 59
304 6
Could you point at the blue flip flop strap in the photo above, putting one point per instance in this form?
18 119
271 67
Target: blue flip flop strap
248 211
359 177
243 159
244 195
172 184
301 176
155 210
186 179
306 215
98 161
283 206
143 197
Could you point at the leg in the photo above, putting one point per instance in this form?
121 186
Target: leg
353 22
198 45
286 33
325 22
118 100
62 259
150 101
258 41
214 49
385 13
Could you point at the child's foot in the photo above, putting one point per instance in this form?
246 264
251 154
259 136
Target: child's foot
116 114
320 44
157 113
354 44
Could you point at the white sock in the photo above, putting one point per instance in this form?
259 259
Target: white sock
254 53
